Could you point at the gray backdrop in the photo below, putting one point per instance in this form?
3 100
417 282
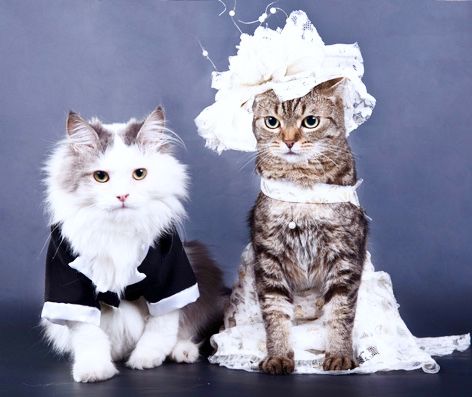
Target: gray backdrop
118 59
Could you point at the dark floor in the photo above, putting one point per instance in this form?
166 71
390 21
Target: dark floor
28 368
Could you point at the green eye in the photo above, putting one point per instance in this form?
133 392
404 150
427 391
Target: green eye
271 122
311 122
101 176
139 173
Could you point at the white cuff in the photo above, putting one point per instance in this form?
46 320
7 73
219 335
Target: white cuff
177 301
59 313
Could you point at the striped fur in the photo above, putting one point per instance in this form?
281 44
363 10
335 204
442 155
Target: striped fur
326 250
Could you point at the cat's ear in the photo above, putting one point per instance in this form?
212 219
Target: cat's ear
266 98
82 136
152 132
333 87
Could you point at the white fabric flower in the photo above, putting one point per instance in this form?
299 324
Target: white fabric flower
290 61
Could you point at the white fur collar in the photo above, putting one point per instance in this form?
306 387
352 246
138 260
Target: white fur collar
91 269
319 193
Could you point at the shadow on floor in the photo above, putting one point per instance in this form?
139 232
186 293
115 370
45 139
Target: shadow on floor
29 368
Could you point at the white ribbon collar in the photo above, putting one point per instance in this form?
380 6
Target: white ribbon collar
319 193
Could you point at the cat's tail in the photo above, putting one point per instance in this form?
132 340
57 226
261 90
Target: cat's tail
204 317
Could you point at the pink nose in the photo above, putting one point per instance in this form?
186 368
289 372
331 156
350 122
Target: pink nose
289 143
123 197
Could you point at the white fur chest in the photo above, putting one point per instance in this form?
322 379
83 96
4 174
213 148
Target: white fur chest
107 254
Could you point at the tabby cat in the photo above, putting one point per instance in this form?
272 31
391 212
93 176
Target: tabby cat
300 246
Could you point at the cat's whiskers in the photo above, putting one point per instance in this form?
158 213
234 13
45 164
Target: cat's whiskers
260 155
336 149
252 157
173 137
328 158
263 156
57 225
47 239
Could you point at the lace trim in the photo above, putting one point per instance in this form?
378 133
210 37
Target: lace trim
381 340
250 363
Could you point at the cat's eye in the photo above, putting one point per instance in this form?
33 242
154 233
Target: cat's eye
139 173
101 176
311 122
271 122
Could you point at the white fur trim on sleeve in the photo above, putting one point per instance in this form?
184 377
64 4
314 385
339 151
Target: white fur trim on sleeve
60 312
176 301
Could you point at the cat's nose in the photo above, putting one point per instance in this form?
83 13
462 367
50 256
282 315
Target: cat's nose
289 143
123 197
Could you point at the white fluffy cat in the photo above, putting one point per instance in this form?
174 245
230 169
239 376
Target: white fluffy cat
113 191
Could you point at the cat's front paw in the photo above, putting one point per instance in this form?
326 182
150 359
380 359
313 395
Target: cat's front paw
145 358
93 371
185 351
278 365
338 362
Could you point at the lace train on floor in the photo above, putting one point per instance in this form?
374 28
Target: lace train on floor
381 340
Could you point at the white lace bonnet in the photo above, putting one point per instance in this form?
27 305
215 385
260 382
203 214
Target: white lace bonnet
290 61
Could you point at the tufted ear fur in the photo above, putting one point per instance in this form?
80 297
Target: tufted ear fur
82 136
264 99
152 132
332 88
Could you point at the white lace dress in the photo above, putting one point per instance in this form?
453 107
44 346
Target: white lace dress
381 340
